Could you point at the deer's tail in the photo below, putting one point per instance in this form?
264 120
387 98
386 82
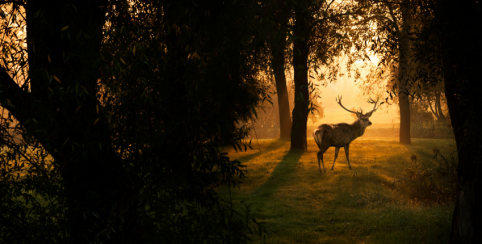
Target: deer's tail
318 136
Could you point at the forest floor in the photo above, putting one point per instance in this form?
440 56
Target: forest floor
394 194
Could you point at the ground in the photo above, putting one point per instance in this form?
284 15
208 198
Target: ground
376 202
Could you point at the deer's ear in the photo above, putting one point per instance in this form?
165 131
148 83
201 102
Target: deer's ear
369 114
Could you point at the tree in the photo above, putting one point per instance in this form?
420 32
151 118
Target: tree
280 24
123 108
56 105
280 14
386 29
450 42
301 50
437 107
457 27
267 122
404 49
318 37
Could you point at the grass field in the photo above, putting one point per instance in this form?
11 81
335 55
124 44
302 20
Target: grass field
373 203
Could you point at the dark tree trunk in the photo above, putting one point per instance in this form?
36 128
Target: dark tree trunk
461 51
300 64
70 125
404 49
278 46
438 108
466 222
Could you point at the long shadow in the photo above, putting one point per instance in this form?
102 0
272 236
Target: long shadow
271 147
282 174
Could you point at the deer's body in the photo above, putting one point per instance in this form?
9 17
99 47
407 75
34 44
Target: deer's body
340 135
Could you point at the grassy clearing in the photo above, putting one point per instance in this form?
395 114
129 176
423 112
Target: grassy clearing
297 204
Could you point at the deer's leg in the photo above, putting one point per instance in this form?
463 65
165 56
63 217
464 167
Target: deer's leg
347 151
320 158
336 155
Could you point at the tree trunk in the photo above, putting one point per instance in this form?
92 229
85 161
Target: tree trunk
300 64
461 50
466 222
404 49
278 46
70 124
438 108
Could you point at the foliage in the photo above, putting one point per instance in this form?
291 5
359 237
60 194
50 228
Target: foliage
266 125
428 184
123 142
378 33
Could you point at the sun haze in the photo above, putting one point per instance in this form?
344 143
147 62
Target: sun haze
352 97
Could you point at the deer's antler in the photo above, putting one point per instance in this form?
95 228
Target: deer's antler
370 100
339 102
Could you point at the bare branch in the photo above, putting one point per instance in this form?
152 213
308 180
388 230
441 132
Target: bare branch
13 97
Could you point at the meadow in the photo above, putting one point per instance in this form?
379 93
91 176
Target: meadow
394 194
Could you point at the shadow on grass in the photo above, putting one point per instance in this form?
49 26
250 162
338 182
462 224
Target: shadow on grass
281 175
367 188
271 147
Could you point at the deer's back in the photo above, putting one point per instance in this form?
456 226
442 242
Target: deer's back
336 135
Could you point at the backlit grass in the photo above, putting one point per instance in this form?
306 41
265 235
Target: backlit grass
368 204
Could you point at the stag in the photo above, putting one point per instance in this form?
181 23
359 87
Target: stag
341 135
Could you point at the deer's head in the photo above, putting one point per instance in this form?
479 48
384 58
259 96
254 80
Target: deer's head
362 117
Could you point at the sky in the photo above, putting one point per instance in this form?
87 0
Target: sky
352 97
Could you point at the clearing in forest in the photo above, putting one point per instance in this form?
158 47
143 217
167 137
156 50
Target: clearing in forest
394 194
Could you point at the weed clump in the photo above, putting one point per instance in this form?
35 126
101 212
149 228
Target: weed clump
430 184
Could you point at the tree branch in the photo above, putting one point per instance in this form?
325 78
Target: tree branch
379 17
12 97
394 19
327 7
430 106
339 15
15 2
387 2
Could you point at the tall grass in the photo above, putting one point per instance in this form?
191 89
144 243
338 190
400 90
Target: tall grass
382 200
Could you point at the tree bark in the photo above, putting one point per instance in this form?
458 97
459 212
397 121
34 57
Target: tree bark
300 64
278 46
69 124
466 222
404 49
461 50
438 107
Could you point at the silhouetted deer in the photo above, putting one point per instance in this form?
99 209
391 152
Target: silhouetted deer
341 135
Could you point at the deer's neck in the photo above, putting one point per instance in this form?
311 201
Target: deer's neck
356 129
